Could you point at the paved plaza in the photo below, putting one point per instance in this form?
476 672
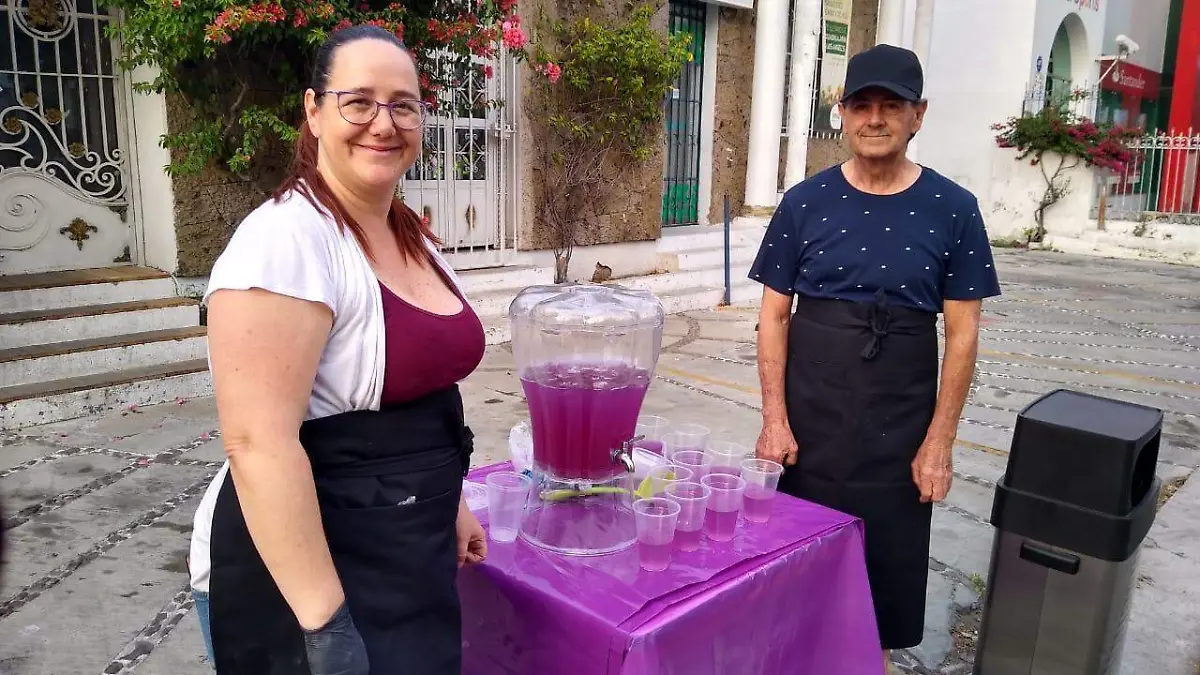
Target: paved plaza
99 510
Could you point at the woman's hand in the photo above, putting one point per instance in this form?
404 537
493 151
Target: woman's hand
777 443
472 540
336 648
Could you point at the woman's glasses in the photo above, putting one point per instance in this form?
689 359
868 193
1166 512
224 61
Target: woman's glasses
357 108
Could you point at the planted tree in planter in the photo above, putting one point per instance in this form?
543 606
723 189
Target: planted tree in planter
242 67
1069 139
597 109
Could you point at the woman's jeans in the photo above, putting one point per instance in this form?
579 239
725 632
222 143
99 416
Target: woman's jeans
201 599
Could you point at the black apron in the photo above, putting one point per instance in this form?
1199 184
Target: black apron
861 387
388 483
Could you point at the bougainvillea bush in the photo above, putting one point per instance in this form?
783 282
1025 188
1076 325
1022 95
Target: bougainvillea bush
243 67
1066 139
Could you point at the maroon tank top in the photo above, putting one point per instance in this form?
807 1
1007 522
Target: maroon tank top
427 352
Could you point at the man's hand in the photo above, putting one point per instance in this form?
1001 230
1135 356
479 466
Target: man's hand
933 469
777 444
472 540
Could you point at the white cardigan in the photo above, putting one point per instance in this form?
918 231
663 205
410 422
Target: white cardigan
293 249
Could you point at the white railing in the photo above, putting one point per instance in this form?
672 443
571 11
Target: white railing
1078 100
1163 181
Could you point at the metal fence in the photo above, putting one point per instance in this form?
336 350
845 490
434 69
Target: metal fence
1163 181
462 182
684 108
1075 99
815 98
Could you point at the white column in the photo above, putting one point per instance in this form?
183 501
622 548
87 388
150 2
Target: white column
766 104
805 37
923 31
921 40
152 190
889 29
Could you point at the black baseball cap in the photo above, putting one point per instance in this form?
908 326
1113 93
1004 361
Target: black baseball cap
895 69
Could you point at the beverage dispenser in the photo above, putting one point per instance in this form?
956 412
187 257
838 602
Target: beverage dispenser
585 355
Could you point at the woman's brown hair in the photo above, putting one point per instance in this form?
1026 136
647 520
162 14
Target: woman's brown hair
410 230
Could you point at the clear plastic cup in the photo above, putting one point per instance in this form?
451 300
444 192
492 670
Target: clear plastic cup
724 505
652 428
508 492
662 476
762 484
685 437
726 457
692 498
696 461
656 519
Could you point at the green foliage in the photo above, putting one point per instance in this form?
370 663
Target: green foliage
611 80
596 105
243 66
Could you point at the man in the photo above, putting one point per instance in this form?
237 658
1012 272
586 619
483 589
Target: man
873 250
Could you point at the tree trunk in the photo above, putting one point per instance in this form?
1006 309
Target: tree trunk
562 260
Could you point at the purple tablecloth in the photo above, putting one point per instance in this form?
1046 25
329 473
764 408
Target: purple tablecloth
786 597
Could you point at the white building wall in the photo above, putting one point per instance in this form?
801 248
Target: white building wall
983 57
975 76
1085 24
1145 21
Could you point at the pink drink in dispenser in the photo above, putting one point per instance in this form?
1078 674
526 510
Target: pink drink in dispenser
585 356
580 413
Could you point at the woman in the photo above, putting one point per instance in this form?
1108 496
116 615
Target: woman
337 335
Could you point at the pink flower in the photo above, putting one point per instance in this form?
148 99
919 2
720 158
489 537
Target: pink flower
553 72
514 37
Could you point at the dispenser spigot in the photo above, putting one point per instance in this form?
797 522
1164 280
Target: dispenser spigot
624 454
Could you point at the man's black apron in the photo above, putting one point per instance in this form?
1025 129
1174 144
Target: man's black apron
388 483
861 387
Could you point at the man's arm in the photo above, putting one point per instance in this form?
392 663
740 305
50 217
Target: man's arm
933 468
776 441
774 317
958 366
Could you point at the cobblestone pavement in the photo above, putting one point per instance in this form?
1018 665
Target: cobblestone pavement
99 509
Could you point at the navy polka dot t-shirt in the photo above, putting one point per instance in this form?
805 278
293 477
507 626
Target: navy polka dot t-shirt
921 246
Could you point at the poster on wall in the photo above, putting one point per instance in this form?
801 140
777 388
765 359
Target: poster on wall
834 48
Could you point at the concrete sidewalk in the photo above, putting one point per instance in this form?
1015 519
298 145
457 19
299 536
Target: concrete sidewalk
99 510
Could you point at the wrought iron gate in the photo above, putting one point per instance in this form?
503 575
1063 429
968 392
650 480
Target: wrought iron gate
462 180
681 175
63 181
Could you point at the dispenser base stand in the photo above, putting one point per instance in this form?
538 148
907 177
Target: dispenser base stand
580 517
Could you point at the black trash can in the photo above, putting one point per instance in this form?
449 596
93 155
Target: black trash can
1076 501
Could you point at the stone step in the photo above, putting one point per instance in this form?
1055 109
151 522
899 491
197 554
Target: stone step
511 278
702 258
493 303
693 237
705 277
78 358
95 321
68 398
675 300
79 288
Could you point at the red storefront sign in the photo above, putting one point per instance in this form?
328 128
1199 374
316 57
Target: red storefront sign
1130 80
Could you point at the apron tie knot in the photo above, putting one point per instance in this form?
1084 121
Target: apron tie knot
880 318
